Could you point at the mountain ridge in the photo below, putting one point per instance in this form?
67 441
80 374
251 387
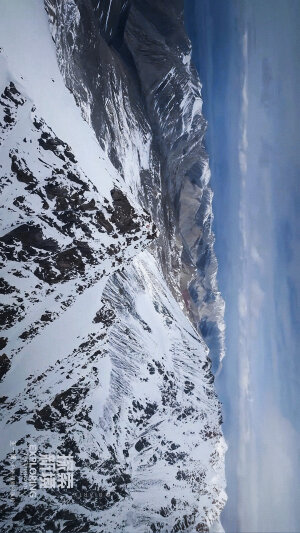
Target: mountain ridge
124 381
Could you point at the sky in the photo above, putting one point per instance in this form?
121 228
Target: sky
247 53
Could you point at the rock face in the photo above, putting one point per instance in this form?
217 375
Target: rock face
136 86
108 270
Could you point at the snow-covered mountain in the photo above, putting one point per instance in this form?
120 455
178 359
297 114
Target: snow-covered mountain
108 271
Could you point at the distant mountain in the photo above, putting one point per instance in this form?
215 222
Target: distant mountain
108 270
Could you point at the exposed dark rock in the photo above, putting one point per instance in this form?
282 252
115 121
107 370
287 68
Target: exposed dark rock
104 316
9 314
68 400
21 170
46 317
124 217
4 365
141 444
11 93
52 143
3 342
29 235
5 287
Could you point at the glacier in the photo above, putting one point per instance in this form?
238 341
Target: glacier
108 273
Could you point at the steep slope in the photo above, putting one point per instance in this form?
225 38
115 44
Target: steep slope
99 359
134 81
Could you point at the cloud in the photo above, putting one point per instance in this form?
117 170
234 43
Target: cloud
256 256
257 295
243 304
269 483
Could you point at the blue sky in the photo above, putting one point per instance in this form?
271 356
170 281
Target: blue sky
248 56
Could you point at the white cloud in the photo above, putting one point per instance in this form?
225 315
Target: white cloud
243 304
269 482
256 256
257 296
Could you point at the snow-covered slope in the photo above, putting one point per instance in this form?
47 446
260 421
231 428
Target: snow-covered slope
98 356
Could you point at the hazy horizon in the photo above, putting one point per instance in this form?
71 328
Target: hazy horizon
248 55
